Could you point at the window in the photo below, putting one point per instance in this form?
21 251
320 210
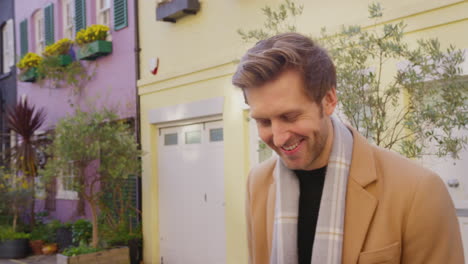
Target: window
193 137
103 12
170 139
39 30
24 44
8 52
216 134
65 184
68 19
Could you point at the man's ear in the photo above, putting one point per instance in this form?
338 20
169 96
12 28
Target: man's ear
329 102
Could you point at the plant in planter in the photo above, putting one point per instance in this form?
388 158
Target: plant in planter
64 236
114 245
13 244
39 235
60 50
50 244
81 232
92 42
14 191
25 121
59 67
119 217
85 254
28 67
122 236
44 237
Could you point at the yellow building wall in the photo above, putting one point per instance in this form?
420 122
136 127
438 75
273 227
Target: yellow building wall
197 57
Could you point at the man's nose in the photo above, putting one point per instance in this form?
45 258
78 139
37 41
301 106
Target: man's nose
280 133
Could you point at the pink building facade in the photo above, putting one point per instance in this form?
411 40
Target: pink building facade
113 77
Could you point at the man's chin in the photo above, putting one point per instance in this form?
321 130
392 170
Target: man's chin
292 165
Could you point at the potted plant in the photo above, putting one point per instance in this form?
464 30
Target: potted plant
64 235
25 120
92 42
28 67
85 254
60 52
39 236
13 244
14 191
50 244
122 236
60 68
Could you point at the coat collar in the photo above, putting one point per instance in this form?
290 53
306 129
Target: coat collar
360 204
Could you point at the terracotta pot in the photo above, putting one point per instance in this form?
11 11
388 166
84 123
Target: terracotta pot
36 246
49 249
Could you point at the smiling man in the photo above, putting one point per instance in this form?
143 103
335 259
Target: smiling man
329 196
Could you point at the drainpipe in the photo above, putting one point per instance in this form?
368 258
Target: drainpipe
137 97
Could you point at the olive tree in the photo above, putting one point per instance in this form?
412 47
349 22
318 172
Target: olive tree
97 149
410 98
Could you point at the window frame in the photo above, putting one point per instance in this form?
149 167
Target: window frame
64 193
68 16
39 31
8 47
101 11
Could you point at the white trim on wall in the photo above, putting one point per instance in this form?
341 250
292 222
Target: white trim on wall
202 108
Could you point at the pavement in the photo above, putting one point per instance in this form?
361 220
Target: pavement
37 259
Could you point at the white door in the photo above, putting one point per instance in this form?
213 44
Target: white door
191 194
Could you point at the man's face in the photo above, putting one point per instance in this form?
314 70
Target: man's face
294 126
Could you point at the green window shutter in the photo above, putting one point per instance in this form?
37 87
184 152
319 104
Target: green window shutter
49 24
120 14
80 14
24 37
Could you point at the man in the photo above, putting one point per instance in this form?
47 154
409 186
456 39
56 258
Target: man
329 196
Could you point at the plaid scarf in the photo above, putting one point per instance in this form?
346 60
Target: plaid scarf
328 242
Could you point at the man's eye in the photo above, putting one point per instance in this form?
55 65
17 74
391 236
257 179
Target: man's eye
263 122
289 118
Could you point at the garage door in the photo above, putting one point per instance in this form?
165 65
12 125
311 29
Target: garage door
191 193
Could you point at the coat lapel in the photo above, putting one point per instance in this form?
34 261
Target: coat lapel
360 204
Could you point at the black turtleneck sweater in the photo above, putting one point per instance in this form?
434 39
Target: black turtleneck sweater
311 187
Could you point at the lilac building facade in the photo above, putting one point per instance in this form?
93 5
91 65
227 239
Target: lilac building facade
113 77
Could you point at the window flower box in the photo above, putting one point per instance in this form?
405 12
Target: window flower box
94 50
65 59
29 75
172 10
115 256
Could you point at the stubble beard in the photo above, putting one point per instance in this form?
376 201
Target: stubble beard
315 149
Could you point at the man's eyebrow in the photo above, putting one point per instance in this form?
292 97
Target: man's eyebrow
288 113
255 117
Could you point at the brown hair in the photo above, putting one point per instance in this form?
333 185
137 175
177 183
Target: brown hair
288 51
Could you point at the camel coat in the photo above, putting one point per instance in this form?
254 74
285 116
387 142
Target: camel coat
396 211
